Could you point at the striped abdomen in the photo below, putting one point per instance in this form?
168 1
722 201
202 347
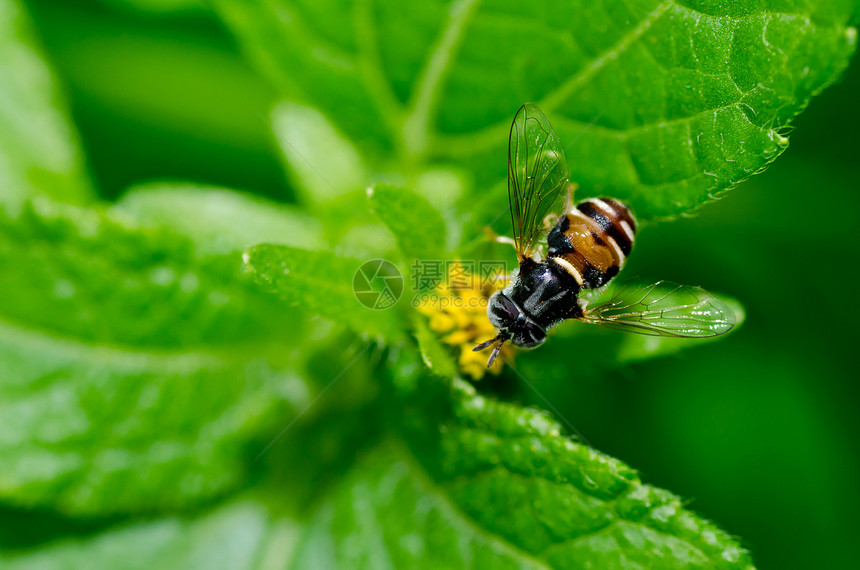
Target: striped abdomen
592 241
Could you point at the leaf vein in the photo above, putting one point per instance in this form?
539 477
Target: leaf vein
563 91
418 123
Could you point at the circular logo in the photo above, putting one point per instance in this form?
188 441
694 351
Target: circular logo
377 284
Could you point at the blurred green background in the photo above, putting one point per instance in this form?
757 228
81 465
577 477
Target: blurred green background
757 431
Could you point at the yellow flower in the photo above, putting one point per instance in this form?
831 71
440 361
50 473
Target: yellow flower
457 309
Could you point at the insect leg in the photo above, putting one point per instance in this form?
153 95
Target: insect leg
493 236
568 197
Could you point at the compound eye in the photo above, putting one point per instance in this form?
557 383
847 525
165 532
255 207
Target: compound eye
501 311
510 309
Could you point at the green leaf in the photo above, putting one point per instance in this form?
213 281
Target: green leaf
506 489
91 429
108 330
437 357
415 223
660 103
39 148
158 6
322 283
324 165
513 472
386 515
389 514
233 537
106 279
219 220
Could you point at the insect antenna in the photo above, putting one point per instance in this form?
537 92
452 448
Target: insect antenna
501 337
487 343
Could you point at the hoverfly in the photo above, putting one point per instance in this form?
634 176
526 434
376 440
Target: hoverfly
587 245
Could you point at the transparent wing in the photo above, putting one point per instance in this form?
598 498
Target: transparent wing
537 175
663 309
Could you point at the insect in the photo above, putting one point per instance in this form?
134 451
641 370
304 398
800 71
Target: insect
587 245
